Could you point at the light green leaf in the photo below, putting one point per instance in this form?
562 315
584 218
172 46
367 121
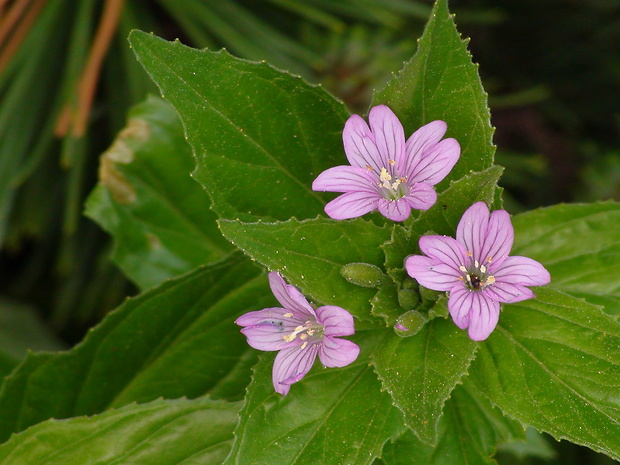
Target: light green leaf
421 371
311 253
163 432
553 363
159 216
441 82
333 416
469 432
176 340
260 135
579 245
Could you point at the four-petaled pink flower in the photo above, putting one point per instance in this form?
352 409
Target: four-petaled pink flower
476 269
387 173
299 332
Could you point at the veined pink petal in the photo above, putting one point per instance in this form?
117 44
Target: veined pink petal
521 270
431 274
289 297
275 314
421 196
388 133
396 210
419 142
291 365
345 179
337 321
359 144
498 238
352 205
460 304
507 292
483 317
444 249
435 162
336 352
472 228
269 337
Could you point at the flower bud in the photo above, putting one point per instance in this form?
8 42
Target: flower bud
363 274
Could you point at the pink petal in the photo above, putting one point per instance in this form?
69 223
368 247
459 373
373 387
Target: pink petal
395 210
345 179
445 250
508 293
337 321
291 365
359 144
435 162
483 317
521 270
352 205
336 352
388 133
498 238
269 337
472 228
419 142
421 196
430 274
289 297
266 314
459 304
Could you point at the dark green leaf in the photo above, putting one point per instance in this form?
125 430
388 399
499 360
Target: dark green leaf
175 340
158 215
311 253
553 363
579 245
163 432
332 416
469 432
260 135
441 82
421 371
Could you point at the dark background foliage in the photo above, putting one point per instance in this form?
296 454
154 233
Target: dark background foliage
551 69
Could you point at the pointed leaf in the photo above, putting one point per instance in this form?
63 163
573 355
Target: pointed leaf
553 363
175 340
163 432
311 253
260 135
159 216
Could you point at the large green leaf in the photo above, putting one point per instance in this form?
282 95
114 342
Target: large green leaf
579 245
421 371
159 216
311 253
260 135
469 432
333 416
553 363
175 340
163 432
441 82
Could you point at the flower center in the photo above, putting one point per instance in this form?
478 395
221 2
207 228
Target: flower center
392 186
310 331
476 276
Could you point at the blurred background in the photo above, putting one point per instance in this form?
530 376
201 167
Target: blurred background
68 77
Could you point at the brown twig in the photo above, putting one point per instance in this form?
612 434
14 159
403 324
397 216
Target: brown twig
12 17
18 36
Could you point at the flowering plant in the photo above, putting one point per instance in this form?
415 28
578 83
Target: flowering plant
169 378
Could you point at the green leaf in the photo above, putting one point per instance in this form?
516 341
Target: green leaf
441 82
175 340
159 216
333 416
469 432
311 253
260 135
421 371
163 432
579 245
553 363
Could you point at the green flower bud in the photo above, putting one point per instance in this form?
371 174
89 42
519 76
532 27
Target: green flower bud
409 323
363 274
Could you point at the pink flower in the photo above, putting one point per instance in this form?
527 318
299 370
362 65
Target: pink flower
476 269
387 173
299 332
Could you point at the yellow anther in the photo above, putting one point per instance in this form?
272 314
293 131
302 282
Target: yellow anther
490 280
463 269
483 268
391 162
287 315
303 336
476 264
368 168
469 254
384 175
489 259
303 346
